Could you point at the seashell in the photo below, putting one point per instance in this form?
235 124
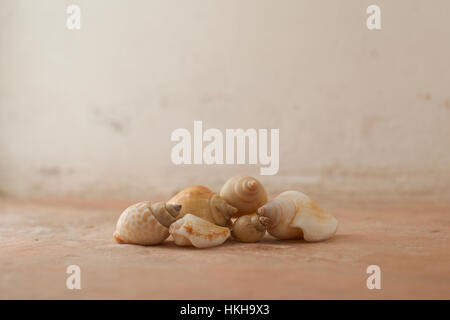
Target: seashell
194 231
245 193
204 203
294 215
249 228
146 223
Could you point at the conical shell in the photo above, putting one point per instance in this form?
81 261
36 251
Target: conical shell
294 215
249 228
245 193
145 223
194 231
205 204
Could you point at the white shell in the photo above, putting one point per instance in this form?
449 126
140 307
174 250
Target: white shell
283 230
194 231
316 224
301 216
137 225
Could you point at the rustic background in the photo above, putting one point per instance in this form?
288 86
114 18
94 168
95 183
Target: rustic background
89 113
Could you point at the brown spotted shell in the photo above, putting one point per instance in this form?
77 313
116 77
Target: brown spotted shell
138 223
194 231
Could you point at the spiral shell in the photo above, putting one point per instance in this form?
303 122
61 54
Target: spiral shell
194 231
294 215
245 193
249 228
145 223
204 203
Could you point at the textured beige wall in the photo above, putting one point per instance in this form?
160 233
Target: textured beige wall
89 113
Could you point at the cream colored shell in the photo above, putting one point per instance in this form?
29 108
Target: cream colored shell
194 231
249 228
138 225
281 212
294 215
245 193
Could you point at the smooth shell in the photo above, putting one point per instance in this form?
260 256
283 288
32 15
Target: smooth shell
245 193
194 231
205 204
294 215
249 228
281 212
316 224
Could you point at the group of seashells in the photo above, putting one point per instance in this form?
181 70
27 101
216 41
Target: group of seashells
196 216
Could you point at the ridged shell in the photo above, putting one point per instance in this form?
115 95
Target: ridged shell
245 193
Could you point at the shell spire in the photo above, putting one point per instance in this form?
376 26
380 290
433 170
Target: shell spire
165 213
245 193
293 215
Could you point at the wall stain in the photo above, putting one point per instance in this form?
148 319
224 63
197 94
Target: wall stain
116 123
374 54
425 96
368 124
447 104
428 97
164 102
50 171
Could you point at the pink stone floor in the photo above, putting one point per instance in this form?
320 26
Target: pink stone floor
39 239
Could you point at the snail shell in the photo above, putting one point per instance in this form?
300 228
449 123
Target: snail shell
245 193
204 203
145 223
249 228
294 215
194 231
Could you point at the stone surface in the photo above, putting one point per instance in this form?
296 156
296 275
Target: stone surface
39 239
